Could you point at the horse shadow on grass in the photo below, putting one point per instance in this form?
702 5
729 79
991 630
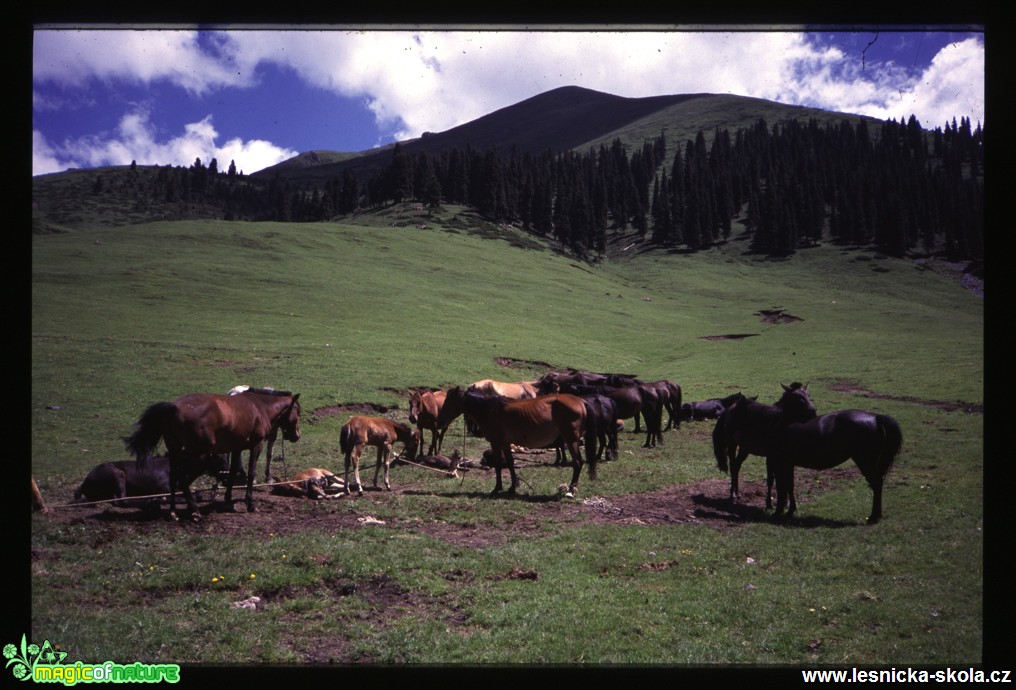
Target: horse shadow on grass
724 510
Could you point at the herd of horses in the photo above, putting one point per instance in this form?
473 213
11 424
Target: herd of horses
577 412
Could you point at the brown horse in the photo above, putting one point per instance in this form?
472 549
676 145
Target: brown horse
536 423
272 437
200 423
374 431
423 412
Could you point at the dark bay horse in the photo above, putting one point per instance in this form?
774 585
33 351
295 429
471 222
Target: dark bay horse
871 440
381 433
200 423
706 409
424 408
536 423
631 400
669 396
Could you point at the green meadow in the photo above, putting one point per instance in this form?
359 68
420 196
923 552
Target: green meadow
364 312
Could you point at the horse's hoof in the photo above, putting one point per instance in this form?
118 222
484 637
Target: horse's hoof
251 508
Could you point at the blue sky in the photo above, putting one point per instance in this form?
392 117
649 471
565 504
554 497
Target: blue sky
257 97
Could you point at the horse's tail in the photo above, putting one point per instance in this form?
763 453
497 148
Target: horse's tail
892 442
720 443
148 431
346 439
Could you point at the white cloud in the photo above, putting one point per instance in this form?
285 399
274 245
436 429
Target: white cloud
135 140
76 57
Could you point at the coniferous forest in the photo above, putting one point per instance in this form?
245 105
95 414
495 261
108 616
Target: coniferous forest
896 187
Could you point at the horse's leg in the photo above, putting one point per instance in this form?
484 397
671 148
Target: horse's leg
511 470
790 490
782 484
235 463
875 480
251 467
174 469
384 455
770 479
735 468
357 450
188 496
268 457
497 456
576 453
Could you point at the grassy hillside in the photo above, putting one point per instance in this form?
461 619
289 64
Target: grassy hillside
350 314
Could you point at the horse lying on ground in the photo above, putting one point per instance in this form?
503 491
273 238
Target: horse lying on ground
424 408
449 464
535 423
123 480
314 483
871 440
379 432
200 423
706 409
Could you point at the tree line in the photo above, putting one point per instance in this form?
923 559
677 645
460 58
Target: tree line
896 187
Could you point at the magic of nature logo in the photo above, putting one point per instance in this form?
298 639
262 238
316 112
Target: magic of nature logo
46 664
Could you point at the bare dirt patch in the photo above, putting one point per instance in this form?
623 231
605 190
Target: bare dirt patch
772 317
776 315
703 503
944 405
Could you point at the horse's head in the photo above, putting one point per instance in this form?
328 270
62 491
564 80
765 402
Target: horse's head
796 403
417 440
452 406
415 400
290 422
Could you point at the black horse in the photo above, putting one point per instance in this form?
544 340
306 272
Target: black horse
601 425
754 433
871 440
706 409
